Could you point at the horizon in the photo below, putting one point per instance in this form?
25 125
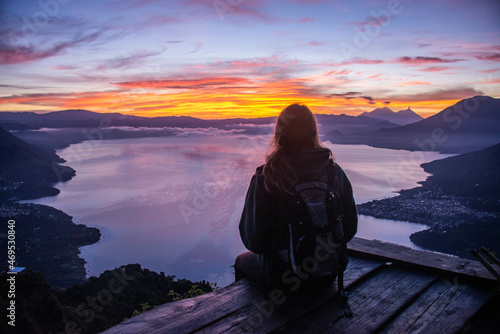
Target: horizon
202 118
232 59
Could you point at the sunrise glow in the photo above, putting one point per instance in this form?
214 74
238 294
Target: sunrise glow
225 59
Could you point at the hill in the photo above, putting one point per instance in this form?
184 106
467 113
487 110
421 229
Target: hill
27 172
95 305
60 129
460 202
469 125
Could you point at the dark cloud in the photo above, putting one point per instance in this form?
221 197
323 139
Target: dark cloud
347 95
425 60
361 61
495 57
368 98
354 95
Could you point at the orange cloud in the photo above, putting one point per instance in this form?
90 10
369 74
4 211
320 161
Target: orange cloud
234 96
182 83
412 83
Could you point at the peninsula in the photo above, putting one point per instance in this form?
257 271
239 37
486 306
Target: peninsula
460 203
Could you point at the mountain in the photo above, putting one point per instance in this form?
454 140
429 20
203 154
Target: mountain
378 113
27 172
470 124
402 117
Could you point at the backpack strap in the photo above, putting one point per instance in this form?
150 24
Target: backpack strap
343 295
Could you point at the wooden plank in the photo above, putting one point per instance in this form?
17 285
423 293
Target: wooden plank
444 307
191 314
263 316
358 268
380 299
438 262
374 302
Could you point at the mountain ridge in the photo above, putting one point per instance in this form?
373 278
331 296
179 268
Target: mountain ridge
27 172
401 117
470 124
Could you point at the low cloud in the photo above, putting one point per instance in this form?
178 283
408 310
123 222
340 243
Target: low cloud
438 95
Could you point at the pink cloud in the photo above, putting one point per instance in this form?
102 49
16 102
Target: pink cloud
413 83
65 67
493 70
493 57
343 72
375 76
436 69
307 19
315 43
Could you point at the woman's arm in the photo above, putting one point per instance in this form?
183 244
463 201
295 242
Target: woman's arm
258 217
350 221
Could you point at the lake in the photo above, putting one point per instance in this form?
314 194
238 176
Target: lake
173 204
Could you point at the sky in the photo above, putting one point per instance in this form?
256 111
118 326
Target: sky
246 58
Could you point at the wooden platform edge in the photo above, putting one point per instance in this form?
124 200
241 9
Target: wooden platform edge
428 260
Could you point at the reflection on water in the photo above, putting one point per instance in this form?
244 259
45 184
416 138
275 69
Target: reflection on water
173 204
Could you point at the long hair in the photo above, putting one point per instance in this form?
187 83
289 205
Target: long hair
296 129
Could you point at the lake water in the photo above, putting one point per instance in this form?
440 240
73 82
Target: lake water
173 204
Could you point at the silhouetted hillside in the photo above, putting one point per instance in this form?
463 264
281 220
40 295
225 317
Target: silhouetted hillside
27 172
471 174
469 125
93 306
48 241
460 202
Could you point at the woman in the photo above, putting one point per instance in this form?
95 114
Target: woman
297 155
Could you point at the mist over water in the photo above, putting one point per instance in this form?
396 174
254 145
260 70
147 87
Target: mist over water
173 204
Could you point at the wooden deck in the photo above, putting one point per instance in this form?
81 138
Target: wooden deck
392 289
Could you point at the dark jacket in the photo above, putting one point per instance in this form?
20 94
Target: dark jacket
263 228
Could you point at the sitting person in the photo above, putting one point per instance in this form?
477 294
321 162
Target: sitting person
297 156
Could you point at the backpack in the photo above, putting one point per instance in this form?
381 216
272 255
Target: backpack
317 250
316 242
